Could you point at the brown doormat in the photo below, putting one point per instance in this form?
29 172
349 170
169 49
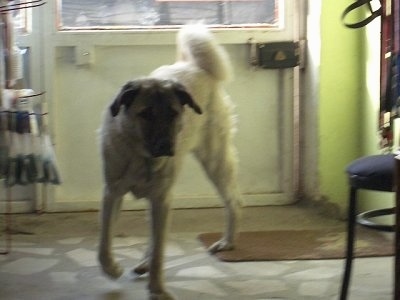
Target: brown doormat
300 245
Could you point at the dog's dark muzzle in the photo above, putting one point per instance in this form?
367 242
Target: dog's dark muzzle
162 148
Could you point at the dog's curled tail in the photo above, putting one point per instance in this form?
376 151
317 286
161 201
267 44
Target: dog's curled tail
197 44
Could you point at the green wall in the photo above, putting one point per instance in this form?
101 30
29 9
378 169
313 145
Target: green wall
348 105
340 107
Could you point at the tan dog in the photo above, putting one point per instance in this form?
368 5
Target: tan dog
147 131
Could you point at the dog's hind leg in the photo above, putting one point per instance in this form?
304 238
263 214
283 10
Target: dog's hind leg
110 209
142 267
219 161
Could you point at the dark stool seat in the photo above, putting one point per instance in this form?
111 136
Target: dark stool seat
376 173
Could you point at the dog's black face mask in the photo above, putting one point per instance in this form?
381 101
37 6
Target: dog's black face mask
155 107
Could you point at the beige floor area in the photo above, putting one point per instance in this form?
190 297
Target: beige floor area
54 257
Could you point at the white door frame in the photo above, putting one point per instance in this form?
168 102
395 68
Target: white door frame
45 38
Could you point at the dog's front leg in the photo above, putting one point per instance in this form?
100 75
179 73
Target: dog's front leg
110 209
159 224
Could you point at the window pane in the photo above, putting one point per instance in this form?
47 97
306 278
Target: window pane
159 13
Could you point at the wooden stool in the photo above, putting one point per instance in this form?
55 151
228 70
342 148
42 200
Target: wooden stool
374 173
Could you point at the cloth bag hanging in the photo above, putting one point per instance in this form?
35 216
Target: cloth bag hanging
389 11
26 152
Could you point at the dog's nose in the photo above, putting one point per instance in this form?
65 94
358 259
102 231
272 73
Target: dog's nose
162 148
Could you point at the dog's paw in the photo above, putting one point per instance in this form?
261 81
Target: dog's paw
221 245
113 271
111 268
161 296
141 268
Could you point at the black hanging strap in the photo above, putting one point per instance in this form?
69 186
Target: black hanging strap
356 5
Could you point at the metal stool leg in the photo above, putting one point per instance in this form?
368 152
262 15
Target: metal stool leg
396 293
350 243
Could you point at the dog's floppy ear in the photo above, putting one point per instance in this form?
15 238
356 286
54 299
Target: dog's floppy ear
125 96
186 98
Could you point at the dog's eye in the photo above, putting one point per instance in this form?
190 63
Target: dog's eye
146 114
172 113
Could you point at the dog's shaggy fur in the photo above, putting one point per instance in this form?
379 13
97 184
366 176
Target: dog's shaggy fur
149 128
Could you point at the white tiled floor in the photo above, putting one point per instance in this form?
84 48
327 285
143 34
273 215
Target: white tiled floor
58 261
